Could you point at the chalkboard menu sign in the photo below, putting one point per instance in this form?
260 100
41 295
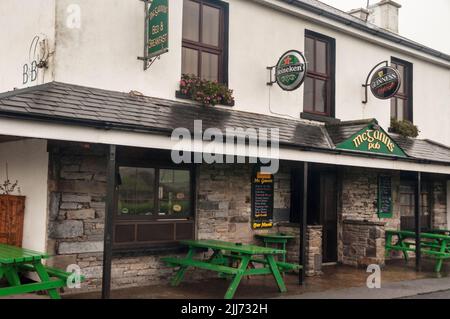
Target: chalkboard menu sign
262 200
384 196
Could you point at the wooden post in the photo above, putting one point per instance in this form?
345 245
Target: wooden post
109 214
303 225
418 216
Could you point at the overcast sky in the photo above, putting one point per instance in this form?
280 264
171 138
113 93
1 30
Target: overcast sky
427 22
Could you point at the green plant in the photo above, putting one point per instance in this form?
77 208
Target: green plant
404 128
209 93
8 187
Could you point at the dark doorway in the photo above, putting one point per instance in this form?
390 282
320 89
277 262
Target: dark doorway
322 207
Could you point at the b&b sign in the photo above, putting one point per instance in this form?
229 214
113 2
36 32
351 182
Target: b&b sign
158 28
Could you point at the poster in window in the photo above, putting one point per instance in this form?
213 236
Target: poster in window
262 200
385 196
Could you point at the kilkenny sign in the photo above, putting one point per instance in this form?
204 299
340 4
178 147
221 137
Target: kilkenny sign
372 139
158 28
385 83
290 70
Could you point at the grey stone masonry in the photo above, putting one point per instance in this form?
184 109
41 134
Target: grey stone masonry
363 243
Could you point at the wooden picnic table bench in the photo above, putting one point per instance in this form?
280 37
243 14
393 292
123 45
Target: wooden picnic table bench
15 260
436 246
222 260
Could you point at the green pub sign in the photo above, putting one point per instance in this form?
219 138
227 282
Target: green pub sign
372 139
158 28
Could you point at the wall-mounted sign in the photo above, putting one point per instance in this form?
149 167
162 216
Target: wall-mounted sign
372 139
262 200
385 196
290 70
385 82
158 28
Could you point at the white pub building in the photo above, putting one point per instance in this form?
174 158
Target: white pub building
93 89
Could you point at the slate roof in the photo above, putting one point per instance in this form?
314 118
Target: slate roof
87 106
345 18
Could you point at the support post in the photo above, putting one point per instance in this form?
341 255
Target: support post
418 215
109 214
303 225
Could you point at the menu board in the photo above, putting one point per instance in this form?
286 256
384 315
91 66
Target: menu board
384 196
262 200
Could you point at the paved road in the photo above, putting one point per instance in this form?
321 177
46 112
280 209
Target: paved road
435 295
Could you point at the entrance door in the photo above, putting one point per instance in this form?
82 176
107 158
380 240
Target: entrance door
328 215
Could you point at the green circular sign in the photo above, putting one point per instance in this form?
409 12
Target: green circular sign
291 70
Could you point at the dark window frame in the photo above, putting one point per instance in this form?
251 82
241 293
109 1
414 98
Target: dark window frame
426 190
330 77
222 49
408 89
154 219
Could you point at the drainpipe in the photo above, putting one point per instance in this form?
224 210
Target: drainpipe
418 214
109 214
303 226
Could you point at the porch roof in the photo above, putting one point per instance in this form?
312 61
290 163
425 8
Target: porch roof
93 107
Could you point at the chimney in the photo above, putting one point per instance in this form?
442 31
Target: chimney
385 15
360 13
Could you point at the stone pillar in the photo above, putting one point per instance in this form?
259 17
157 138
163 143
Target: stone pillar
313 247
364 243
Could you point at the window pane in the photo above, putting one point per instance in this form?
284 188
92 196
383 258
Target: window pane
321 57
400 109
210 66
210 27
401 69
394 108
309 53
174 193
136 191
308 101
189 62
320 96
191 20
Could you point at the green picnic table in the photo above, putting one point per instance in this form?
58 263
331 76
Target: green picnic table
14 260
276 239
222 261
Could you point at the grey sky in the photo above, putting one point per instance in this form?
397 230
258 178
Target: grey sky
427 22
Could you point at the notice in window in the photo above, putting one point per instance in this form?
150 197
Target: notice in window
262 200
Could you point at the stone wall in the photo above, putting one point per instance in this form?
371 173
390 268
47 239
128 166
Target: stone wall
363 243
313 246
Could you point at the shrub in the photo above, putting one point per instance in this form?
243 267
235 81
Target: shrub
404 128
208 93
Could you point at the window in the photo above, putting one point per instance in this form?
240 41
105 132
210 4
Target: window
205 39
401 103
407 206
319 82
154 206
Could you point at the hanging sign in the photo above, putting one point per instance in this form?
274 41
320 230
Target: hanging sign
290 70
384 197
262 200
158 28
372 139
385 83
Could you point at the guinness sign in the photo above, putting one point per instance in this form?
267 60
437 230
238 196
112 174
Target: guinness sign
290 70
385 83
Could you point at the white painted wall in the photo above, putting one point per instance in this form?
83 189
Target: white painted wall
448 203
103 53
32 173
20 22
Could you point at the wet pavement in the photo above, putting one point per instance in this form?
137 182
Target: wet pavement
335 278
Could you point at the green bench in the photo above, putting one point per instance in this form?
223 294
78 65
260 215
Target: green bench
433 245
15 261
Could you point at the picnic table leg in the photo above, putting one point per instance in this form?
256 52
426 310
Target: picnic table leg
237 278
12 276
276 273
43 275
404 246
180 274
439 261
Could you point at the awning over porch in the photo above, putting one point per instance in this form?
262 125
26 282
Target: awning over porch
83 108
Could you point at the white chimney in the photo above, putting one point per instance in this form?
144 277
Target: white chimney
385 15
360 13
